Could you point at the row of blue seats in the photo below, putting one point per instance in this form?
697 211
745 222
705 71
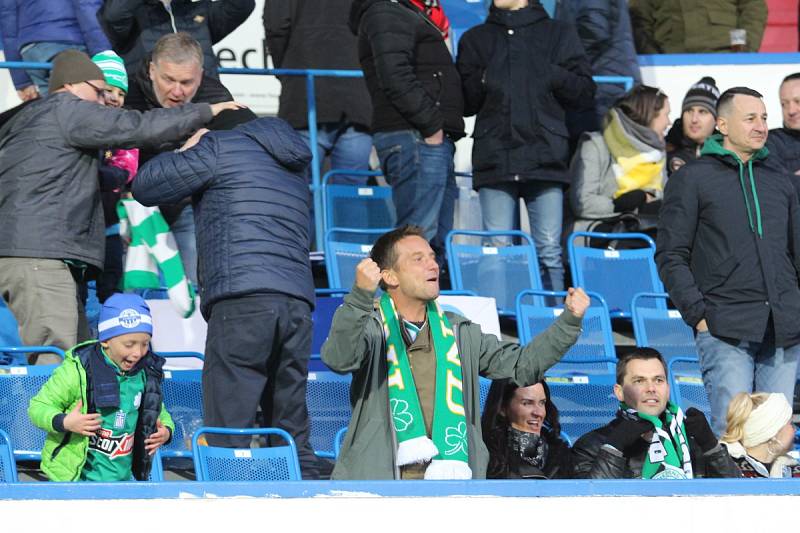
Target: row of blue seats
211 463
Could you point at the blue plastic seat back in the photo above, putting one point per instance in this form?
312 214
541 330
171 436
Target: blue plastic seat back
354 207
595 344
484 384
617 275
9 336
273 463
8 467
157 469
686 384
660 328
500 272
321 318
183 398
344 250
18 384
585 402
328 401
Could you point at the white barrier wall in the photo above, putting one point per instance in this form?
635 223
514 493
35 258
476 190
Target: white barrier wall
731 514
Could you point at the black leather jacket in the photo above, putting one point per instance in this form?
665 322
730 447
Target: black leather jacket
593 458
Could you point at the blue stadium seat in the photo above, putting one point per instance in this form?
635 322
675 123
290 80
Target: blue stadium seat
183 398
274 463
157 470
18 384
585 401
498 272
322 317
686 384
344 249
337 443
8 467
596 342
617 275
328 401
484 384
354 207
16 355
660 328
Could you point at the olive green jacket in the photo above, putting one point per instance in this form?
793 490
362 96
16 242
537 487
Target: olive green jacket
695 26
356 344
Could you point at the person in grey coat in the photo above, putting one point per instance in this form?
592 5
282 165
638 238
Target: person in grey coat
53 231
405 352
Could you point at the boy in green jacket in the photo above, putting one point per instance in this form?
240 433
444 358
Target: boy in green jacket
102 408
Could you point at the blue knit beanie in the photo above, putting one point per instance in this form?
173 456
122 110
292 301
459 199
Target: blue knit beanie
124 313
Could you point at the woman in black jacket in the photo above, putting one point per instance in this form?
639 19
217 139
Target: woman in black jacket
522 432
519 71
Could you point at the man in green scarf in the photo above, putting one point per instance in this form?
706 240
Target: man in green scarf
415 391
650 438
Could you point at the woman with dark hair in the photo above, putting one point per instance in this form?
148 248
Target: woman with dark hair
621 169
521 430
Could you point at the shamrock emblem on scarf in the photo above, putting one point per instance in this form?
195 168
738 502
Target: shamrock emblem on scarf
402 418
456 438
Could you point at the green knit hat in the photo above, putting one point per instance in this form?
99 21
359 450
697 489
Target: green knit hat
113 69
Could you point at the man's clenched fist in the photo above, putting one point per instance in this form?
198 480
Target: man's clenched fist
368 275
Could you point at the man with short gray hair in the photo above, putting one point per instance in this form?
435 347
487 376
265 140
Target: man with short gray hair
729 252
172 76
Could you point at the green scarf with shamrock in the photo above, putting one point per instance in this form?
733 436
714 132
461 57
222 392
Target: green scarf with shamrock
668 455
447 449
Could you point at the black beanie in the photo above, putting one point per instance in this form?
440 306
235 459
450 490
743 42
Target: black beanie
72 66
703 93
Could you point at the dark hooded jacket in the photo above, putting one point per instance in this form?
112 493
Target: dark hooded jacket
315 34
729 246
133 27
251 208
409 71
784 149
680 148
519 71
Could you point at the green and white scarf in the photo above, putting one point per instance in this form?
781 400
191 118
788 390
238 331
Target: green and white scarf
447 450
153 248
668 456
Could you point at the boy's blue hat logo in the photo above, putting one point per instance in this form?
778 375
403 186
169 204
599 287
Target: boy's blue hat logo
129 318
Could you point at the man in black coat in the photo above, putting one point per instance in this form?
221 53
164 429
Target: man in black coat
134 26
171 77
650 438
520 70
417 108
729 252
784 143
252 210
309 34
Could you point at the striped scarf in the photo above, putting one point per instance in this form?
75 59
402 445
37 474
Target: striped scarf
153 249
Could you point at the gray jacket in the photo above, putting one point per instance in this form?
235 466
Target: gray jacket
49 195
356 344
593 182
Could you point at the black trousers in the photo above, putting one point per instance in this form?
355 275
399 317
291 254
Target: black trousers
257 352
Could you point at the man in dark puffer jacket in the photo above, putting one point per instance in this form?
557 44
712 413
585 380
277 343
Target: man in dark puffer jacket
650 438
252 206
134 26
417 107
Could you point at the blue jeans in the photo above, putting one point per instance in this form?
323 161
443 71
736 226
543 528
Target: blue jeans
44 52
743 366
347 147
545 205
183 231
423 182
